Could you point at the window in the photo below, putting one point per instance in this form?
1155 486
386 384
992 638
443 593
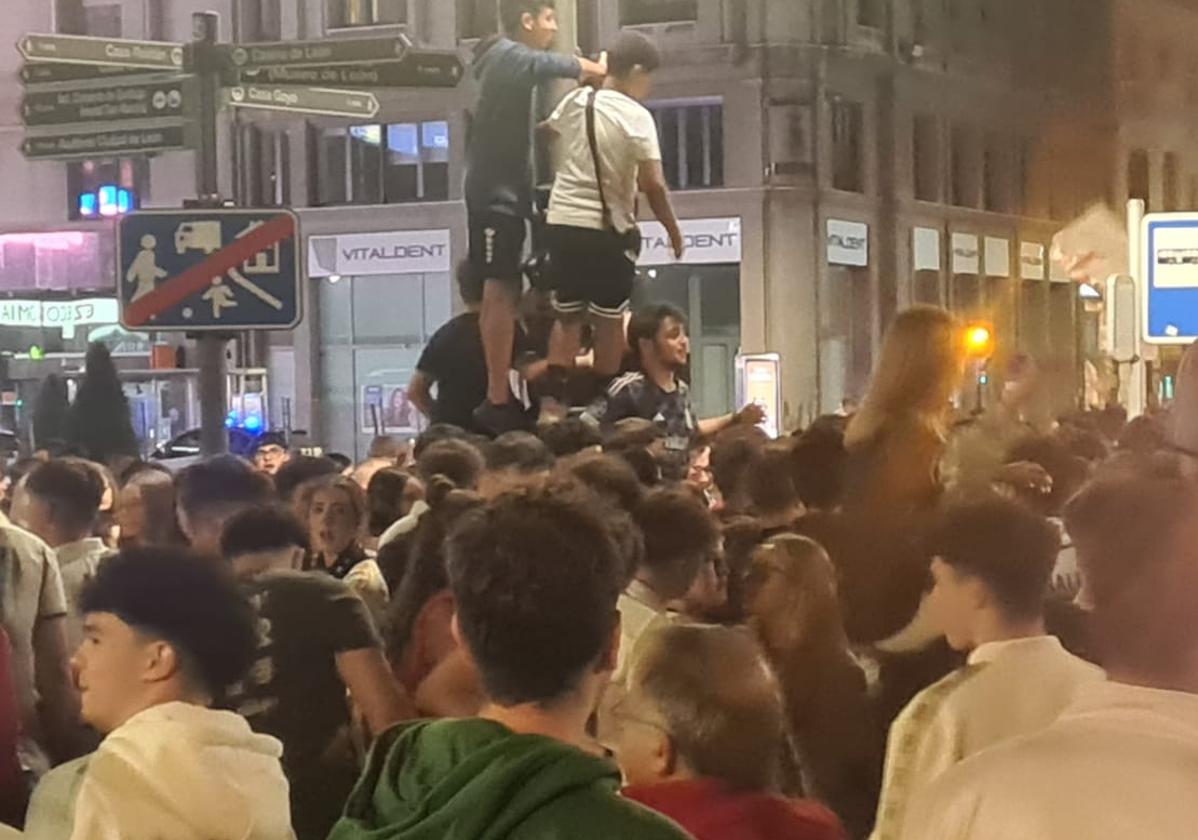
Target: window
477 18
90 184
1138 185
261 20
640 12
157 17
1172 178
383 164
871 13
919 23
692 143
995 180
848 130
588 27
964 170
103 21
268 166
926 152
348 13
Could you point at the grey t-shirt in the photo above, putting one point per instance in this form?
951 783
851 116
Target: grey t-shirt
499 159
31 591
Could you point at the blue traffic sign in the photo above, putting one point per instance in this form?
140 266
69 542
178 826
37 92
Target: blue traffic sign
1170 278
215 270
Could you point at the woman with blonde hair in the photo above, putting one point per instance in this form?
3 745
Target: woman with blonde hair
791 605
897 439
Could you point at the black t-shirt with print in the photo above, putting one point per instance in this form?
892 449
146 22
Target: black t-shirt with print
635 395
293 690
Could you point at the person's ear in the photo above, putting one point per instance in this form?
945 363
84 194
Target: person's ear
432 632
528 21
611 657
161 662
664 757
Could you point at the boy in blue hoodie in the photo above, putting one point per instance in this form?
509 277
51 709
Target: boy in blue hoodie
535 577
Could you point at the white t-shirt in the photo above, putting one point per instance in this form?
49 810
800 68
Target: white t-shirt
1119 764
626 136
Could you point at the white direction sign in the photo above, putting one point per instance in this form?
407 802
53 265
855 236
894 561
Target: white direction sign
354 104
102 52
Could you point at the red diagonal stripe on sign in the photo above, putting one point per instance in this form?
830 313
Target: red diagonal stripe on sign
178 289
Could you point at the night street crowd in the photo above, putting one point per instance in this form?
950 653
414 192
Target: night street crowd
572 608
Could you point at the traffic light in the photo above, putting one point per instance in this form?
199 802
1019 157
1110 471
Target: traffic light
979 341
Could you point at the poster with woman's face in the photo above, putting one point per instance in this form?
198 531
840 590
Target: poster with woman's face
386 410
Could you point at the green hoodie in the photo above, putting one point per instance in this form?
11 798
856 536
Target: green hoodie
476 780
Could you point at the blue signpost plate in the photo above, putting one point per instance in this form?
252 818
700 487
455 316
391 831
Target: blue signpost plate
1170 278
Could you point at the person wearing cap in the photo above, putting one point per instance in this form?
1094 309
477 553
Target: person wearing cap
271 453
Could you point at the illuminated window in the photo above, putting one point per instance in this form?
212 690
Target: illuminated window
384 164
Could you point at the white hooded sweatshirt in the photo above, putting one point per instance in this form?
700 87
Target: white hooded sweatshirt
173 772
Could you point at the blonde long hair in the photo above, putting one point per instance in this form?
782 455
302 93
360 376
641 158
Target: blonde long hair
916 375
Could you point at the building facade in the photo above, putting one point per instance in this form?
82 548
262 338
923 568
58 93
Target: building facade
833 161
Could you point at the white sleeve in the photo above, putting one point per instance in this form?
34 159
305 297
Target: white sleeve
555 119
644 137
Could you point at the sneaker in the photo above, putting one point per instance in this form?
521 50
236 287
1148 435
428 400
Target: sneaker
552 411
500 419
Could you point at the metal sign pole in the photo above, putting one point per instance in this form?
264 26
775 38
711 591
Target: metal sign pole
210 348
1137 386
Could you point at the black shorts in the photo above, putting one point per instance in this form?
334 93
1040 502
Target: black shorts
593 271
497 248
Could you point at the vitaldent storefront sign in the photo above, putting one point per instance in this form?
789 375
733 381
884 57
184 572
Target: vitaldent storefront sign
393 252
708 242
38 314
848 243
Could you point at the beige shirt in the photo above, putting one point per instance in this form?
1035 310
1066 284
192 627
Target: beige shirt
31 592
78 562
1006 690
1121 763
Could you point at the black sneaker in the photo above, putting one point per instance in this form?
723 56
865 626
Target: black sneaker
500 419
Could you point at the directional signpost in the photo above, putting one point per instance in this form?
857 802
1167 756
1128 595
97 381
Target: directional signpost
114 142
104 97
210 271
334 103
119 98
423 68
216 270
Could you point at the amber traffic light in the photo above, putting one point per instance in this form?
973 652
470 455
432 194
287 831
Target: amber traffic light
979 341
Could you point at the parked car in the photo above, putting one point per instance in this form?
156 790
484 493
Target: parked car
184 450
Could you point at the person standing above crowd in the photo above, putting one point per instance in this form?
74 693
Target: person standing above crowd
1120 760
64 502
896 441
499 181
656 392
315 642
992 563
609 151
707 752
543 634
165 632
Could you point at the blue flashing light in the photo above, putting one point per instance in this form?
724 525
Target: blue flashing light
124 201
89 205
253 424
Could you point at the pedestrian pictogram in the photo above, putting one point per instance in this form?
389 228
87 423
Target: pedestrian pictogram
196 270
